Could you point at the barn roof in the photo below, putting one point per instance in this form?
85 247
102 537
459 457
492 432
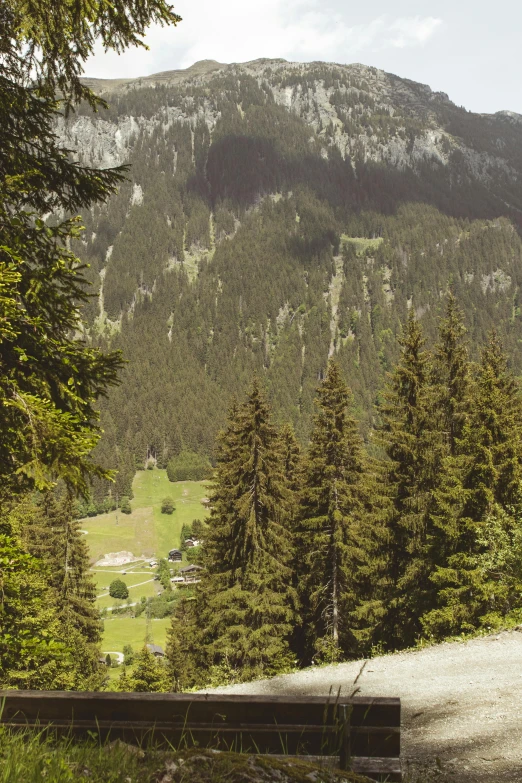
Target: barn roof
155 648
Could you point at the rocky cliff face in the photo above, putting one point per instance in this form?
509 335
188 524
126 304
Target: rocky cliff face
367 114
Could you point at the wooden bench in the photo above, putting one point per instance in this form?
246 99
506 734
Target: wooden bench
364 733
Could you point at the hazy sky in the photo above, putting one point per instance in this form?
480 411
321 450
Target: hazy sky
470 50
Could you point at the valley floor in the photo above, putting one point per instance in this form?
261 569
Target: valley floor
461 704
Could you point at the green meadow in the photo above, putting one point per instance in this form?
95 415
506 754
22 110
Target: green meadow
133 630
148 589
147 533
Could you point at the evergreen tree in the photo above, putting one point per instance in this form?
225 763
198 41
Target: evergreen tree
52 535
472 587
148 675
413 443
183 648
32 651
496 435
452 376
245 602
332 524
290 453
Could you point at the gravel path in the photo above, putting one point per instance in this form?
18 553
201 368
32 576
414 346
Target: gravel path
461 704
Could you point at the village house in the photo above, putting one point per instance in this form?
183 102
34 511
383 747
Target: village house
175 556
156 650
190 573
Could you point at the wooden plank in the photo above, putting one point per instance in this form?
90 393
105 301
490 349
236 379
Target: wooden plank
200 707
139 698
316 740
379 769
376 741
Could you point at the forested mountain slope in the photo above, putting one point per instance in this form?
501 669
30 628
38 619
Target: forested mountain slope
276 214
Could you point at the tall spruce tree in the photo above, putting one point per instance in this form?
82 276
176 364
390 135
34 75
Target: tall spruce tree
32 652
53 537
331 527
245 604
413 443
291 465
452 376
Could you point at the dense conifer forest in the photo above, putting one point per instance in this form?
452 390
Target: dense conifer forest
264 230
331 554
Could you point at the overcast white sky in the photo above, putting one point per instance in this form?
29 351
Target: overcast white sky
470 49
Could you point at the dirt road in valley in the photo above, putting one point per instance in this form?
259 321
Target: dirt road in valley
461 704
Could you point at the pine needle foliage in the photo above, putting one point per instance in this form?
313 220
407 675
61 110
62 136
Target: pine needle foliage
50 381
245 603
32 652
478 583
149 674
53 537
331 528
412 440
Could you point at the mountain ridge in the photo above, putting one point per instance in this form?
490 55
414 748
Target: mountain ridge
278 214
207 66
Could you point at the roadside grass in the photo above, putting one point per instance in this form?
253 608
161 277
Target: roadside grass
104 578
32 757
119 631
362 244
148 590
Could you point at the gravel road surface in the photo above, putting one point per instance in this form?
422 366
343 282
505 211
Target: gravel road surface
461 704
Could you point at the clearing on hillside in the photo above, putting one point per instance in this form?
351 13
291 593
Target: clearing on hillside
147 532
361 243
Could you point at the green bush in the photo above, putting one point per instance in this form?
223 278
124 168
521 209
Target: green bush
167 506
163 574
159 606
125 506
189 466
118 589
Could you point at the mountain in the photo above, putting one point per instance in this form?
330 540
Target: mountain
275 214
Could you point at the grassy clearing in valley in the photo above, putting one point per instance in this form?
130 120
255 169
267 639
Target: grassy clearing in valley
117 532
119 631
104 578
146 531
148 590
150 487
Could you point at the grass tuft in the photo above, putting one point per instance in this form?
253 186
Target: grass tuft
29 756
